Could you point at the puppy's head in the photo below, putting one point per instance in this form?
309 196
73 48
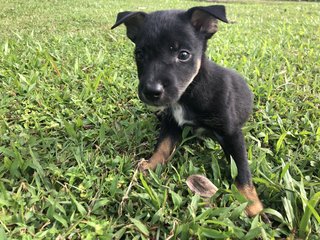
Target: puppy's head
169 46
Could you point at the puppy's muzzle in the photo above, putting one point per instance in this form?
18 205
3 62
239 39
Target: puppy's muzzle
153 92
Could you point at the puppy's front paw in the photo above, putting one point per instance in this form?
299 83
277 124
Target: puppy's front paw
144 165
254 208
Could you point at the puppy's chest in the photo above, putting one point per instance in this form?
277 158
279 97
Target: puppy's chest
182 115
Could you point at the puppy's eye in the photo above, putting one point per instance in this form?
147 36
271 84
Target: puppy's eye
184 56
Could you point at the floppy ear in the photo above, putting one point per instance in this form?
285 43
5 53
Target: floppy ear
133 22
205 19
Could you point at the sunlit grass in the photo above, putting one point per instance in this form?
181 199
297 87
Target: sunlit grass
72 128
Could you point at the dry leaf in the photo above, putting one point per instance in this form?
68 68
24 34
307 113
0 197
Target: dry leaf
201 185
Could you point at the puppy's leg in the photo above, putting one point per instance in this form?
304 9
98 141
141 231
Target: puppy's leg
234 144
170 135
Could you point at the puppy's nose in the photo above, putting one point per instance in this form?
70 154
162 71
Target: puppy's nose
153 91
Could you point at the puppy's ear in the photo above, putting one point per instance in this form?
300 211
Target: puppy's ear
133 22
205 19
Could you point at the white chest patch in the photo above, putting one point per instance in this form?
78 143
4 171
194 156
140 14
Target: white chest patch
179 115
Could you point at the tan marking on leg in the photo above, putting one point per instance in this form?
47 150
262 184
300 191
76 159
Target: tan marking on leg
255 206
161 155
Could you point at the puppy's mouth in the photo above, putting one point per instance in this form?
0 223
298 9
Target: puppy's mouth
156 101
164 99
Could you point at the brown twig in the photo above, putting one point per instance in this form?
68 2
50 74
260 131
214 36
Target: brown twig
126 195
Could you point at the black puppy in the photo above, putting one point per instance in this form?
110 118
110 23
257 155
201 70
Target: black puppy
175 74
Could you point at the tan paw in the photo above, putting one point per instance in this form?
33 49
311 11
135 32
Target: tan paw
254 208
144 165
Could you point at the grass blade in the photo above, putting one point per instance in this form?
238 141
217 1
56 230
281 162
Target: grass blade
211 233
141 227
150 192
304 223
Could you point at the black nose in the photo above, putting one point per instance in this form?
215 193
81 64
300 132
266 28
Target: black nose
153 91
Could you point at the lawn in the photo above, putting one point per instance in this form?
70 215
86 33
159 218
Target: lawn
72 128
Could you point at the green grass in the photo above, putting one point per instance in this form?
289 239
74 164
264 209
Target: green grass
72 128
